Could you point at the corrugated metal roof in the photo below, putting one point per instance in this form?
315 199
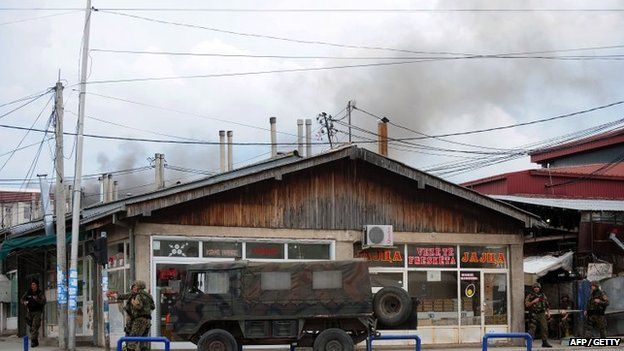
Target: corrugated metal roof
595 170
578 146
571 204
541 265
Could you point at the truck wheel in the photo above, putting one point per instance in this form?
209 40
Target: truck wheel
333 340
217 340
392 306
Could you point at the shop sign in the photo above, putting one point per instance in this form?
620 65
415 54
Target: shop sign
483 257
469 276
431 256
222 249
265 250
384 257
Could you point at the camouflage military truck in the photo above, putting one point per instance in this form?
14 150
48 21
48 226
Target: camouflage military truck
327 305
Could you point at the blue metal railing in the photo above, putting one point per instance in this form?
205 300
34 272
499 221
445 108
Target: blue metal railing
369 341
143 339
25 341
526 336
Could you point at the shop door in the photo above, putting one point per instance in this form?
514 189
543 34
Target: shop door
495 314
471 323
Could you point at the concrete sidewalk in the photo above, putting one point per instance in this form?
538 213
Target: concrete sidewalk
15 344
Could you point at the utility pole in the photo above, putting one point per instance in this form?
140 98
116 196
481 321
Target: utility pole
349 114
327 126
59 204
73 266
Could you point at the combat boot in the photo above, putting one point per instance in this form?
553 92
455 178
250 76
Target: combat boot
546 344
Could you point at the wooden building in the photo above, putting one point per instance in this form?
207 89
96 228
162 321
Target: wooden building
458 251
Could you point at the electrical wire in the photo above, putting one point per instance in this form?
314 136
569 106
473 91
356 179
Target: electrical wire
432 58
37 18
327 10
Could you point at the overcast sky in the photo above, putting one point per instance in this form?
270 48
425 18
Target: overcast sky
432 97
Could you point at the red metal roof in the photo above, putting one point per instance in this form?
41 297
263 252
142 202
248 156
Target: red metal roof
578 146
18 196
591 181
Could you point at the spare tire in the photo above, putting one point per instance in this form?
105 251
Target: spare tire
392 306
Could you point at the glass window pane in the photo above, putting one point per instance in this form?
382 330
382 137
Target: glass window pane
308 251
275 281
483 257
14 297
176 248
495 298
437 291
169 279
470 291
116 255
222 249
420 256
264 250
116 281
327 280
217 283
381 280
391 257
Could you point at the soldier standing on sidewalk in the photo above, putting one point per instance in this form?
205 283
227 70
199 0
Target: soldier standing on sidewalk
566 317
537 305
139 306
595 313
34 300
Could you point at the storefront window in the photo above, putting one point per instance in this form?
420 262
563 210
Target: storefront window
437 291
483 257
220 249
381 280
169 279
263 250
117 256
308 251
176 248
495 298
390 257
431 256
470 292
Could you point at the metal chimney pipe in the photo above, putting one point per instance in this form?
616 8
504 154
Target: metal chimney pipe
300 137
115 191
222 149
230 156
273 122
308 124
109 185
102 181
48 218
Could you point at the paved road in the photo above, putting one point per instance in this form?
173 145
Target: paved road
15 344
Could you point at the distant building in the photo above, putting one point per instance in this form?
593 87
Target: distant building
19 206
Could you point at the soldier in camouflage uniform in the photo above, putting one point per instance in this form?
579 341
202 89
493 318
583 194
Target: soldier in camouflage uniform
139 306
566 317
537 305
595 313
34 300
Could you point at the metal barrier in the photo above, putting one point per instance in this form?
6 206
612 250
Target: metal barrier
144 339
25 341
369 341
526 336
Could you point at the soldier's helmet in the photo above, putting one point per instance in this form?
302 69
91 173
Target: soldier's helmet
537 285
139 284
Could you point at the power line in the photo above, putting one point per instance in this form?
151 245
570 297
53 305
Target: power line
325 10
37 18
334 57
186 113
476 131
28 130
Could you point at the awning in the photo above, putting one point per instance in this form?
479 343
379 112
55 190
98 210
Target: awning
33 241
539 266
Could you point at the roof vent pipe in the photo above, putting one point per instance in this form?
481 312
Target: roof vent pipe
222 150
308 125
230 157
273 122
300 136
48 218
